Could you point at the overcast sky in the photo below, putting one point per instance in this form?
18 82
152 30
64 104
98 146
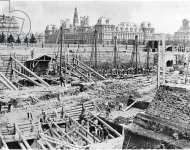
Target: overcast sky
165 16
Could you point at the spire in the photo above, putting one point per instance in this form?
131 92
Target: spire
75 18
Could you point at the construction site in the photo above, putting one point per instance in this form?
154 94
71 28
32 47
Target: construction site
94 96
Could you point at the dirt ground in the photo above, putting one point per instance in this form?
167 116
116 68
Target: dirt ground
39 98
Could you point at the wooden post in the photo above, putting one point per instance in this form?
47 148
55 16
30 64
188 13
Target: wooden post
161 63
148 59
95 45
8 66
11 73
136 50
115 52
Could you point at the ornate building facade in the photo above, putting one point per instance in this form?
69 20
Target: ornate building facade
104 30
183 34
51 34
83 33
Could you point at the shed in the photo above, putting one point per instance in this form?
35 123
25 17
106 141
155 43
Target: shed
39 65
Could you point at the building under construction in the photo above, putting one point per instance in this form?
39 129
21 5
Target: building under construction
97 95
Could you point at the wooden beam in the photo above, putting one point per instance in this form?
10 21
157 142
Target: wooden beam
130 106
86 139
25 142
57 134
4 143
60 143
65 134
72 72
81 67
41 145
86 77
111 136
80 126
73 69
2 81
49 145
22 146
8 67
7 82
108 126
25 76
92 70
32 73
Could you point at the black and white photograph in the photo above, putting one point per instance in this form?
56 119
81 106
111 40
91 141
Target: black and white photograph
94 74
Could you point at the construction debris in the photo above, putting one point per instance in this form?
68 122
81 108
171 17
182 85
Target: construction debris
166 119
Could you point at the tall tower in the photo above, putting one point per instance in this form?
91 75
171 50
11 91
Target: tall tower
75 18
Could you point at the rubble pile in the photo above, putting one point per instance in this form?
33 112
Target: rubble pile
167 118
172 104
34 95
116 88
119 91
